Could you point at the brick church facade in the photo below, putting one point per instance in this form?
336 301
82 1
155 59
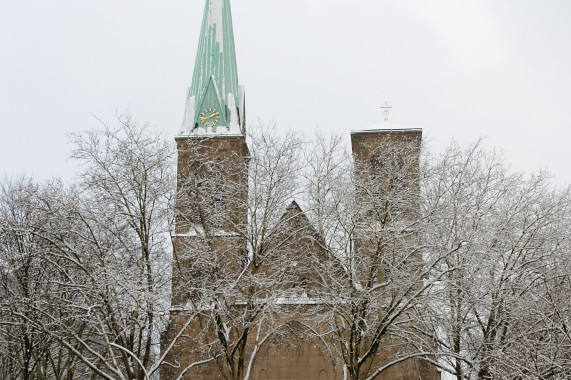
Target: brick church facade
220 326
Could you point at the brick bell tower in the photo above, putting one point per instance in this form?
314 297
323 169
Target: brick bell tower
387 160
212 180
212 174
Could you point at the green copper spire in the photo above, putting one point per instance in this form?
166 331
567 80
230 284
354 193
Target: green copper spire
215 103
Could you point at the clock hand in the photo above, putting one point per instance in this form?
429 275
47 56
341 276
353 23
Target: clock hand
208 117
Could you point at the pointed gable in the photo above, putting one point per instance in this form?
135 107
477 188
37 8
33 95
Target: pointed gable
297 246
297 222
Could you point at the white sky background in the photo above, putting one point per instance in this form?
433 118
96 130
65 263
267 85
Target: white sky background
458 69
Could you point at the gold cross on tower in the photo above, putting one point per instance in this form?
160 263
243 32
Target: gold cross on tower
386 110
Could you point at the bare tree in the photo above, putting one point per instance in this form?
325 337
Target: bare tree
36 311
510 234
127 187
22 278
375 282
227 268
105 249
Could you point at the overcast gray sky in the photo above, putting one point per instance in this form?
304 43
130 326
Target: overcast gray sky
458 69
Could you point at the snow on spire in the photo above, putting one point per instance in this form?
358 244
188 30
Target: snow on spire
215 103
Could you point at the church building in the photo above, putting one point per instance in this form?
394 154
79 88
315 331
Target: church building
238 314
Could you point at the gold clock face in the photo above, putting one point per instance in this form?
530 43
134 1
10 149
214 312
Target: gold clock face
210 117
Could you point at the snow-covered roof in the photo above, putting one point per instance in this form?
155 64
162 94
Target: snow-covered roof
386 126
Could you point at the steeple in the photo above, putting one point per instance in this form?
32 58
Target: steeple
215 101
